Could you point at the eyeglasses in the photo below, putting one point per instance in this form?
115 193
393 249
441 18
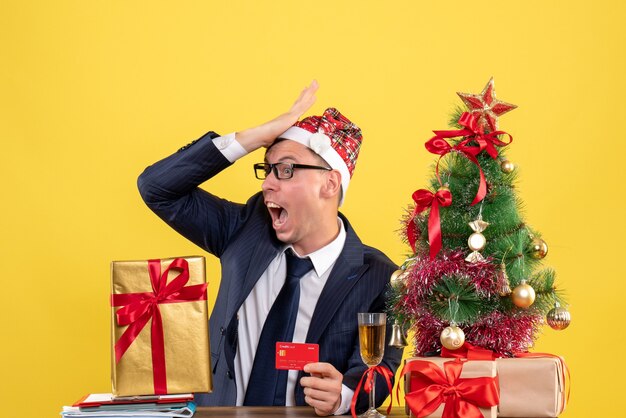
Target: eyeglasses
282 171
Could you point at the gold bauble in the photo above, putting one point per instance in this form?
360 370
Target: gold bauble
443 188
398 279
476 241
506 166
539 248
523 295
452 337
558 318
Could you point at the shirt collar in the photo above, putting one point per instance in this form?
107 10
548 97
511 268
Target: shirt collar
326 256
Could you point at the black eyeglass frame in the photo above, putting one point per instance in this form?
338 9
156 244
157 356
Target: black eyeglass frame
267 168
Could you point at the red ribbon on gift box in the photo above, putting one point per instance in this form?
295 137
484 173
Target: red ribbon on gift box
369 382
138 308
425 199
470 352
462 396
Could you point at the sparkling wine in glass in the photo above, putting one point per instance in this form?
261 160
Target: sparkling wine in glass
372 341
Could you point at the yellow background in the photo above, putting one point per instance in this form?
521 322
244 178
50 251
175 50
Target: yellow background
92 92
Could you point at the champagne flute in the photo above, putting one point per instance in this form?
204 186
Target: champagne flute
372 341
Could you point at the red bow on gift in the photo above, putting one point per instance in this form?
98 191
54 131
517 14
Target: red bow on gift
470 352
369 375
425 199
138 308
472 132
462 397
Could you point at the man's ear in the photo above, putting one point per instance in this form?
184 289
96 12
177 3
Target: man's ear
332 186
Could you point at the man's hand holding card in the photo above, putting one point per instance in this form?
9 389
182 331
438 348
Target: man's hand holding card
322 389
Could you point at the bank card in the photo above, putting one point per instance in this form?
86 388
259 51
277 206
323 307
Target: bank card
293 356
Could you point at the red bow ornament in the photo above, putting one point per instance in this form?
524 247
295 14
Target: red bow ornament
471 132
138 308
425 199
462 396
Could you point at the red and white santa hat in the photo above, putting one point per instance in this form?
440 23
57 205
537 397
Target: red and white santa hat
334 138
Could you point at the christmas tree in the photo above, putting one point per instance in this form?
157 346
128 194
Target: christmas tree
474 273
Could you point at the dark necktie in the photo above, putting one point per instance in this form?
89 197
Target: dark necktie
267 386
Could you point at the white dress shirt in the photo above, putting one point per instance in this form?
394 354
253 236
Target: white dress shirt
257 305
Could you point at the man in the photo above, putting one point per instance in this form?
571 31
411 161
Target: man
294 220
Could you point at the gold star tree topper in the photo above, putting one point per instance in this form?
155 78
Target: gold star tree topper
485 107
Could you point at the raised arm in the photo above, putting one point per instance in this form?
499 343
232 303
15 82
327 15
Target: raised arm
265 134
170 186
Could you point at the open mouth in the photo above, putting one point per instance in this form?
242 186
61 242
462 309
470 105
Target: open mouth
279 214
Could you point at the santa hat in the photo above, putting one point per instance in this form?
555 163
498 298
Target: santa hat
334 138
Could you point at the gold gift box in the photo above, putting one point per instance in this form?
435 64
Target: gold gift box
185 330
471 369
531 387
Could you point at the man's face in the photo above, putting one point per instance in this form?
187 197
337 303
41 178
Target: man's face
295 204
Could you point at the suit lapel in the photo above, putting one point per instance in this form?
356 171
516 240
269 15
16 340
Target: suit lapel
348 270
263 252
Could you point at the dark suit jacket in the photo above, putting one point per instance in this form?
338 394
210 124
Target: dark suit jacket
243 239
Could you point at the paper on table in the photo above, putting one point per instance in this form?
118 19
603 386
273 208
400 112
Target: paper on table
97 399
162 412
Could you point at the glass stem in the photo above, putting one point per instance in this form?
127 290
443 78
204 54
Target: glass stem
373 393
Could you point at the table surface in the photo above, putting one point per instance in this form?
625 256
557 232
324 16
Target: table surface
275 411
271 411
